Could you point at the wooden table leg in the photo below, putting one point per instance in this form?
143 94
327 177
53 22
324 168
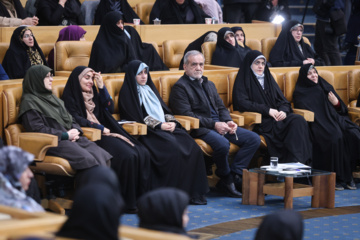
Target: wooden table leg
324 191
245 187
261 195
315 199
331 190
288 198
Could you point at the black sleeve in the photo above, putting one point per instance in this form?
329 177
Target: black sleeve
50 15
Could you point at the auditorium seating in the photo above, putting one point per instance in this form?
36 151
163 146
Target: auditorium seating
45 47
173 51
143 10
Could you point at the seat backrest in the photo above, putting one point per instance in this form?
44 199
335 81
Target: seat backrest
353 87
143 11
167 82
208 49
254 44
70 54
58 90
46 48
173 51
3 48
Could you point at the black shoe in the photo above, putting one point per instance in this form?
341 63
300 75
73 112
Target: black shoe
339 186
228 189
351 185
198 200
237 181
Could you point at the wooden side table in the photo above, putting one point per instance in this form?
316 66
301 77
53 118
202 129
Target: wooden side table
322 191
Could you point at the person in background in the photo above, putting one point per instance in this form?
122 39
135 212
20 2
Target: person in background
353 31
12 14
15 178
269 9
211 8
3 74
239 11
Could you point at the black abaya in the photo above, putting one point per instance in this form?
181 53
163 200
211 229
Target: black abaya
177 160
131 164
20 11
287 139
336 140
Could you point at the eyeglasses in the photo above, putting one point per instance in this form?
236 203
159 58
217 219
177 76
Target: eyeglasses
298 30
257 63
51 75
28 35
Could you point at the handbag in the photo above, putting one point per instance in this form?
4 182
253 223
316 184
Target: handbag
337 21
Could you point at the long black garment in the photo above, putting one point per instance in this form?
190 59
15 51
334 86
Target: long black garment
177 161
16 60
286 52
145 52
195 45
226 54
169 12
246 48
106 6
287 139
51 13
111 50
20 11
336 140
131 164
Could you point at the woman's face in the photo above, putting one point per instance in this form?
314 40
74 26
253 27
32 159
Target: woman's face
180 2
28 38
230 39
82 38
120 24
297 33
87 81
25 178
239 35
258 66
48 81
185 218
313 75
142 77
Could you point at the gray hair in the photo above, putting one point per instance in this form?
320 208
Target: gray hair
192 53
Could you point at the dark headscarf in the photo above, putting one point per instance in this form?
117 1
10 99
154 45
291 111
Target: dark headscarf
36 97
106 6
195 45
20 11
281 225
69 33
48 13
226 54
129 103
162 210
286 52
97 207
111 50
17 58
170 12
235 29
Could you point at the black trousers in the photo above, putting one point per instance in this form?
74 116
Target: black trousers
239 12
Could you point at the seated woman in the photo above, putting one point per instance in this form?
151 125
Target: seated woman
15 177
12 13
177 12
269 9
227 51
290 48
210 36
22 53
174 153
336 140
70 33
164 209
106 6
114 47
97 207
255 90
59 12
240 38
41 111
92 108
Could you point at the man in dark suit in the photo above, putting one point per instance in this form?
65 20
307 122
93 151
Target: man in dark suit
194 95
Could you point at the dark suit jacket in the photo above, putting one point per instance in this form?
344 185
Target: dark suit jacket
187 98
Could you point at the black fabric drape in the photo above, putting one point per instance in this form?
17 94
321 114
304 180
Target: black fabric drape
169 12
226 54
176 159
131 164
336 140
145 52
104 7
50 12
20 11
111 50
16 60
195 45
287 139
286 52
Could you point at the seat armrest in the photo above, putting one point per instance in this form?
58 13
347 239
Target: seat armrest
184 123
250 118
194 122
135 128
37 143
238 119
308 115
142 128
354 109
354 117
92 134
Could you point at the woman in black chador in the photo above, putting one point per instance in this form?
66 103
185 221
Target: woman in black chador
241 38
177 160
23 52
177 12
255 90
336 140
93 107
227 51
290 48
